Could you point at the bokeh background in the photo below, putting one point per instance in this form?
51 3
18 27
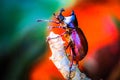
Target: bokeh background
24 53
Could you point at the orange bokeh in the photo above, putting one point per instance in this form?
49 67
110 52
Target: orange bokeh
97 23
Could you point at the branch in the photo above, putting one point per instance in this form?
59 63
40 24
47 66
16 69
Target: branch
60 59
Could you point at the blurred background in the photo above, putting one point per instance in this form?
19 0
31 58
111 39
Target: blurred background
24 53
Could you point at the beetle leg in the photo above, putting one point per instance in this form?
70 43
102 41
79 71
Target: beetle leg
68 45
71 63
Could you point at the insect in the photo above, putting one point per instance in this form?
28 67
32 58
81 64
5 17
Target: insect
74 36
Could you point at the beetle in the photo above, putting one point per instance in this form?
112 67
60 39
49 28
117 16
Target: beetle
76 39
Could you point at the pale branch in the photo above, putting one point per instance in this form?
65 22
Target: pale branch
60 59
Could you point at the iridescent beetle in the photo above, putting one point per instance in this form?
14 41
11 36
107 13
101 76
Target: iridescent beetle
76 39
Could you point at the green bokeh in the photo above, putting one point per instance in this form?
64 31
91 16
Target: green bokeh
22 39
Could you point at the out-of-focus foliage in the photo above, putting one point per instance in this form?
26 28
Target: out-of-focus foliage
22 39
